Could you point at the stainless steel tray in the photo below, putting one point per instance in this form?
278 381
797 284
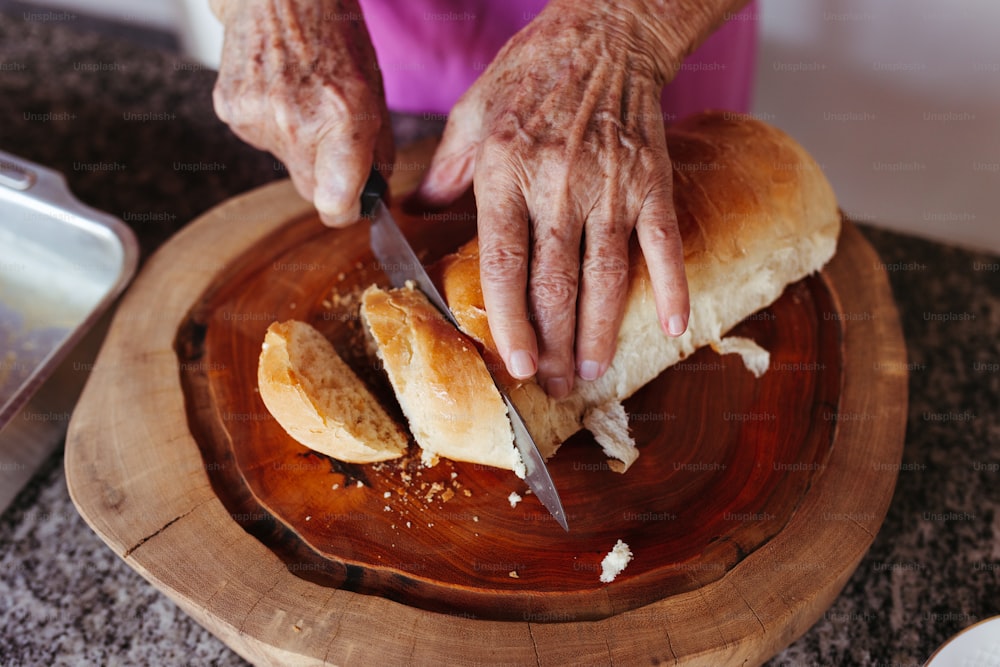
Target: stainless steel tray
61 265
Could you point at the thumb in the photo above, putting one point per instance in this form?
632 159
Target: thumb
454 161
341 170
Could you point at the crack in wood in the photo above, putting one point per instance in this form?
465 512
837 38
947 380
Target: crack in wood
263 595
670 646
750 607
862 527
128 552
534 645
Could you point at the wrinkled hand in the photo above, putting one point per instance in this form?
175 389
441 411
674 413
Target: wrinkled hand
563 137
298 78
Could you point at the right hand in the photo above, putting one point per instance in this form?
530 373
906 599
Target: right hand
299 78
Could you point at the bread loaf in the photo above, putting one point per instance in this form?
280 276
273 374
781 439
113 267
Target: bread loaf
755 213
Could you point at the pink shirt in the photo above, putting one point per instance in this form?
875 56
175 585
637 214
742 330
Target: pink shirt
430 52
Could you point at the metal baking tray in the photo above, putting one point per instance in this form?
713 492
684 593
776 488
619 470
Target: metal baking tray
61 265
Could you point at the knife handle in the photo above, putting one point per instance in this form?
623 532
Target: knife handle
374 190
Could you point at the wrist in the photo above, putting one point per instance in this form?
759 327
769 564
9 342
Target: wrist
663 32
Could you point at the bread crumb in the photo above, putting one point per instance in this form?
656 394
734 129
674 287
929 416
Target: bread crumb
514 498
466 493
335 487
309 518
387 494
436 488
518 464
296 628
755 358
360 484
513 574
615 562
407 524
447 495
476 519
387 509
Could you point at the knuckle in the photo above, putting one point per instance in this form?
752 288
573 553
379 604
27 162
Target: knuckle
660 232
502 263
606 273
554 290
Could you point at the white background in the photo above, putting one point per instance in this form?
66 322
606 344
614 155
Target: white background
899 100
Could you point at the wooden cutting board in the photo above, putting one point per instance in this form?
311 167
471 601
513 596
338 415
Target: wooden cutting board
750 505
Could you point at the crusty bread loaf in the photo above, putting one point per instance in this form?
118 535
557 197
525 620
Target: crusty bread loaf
441 382
318 399
755 213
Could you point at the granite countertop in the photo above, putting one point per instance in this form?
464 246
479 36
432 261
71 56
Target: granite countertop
122 121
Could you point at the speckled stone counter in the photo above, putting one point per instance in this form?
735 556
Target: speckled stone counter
134 132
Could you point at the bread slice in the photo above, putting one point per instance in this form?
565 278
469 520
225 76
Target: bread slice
441 382
318 399
755 213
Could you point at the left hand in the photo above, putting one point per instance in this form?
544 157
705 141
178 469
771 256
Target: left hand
563 138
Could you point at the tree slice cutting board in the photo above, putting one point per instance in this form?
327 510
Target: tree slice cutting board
750 505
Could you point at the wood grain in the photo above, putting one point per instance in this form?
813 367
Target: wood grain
748 509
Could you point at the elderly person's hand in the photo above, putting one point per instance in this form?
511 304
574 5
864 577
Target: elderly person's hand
563 139
299 78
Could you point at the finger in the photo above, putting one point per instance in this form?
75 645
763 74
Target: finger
453 164
300 169
552 293
660 241
344 157
603 287
503 268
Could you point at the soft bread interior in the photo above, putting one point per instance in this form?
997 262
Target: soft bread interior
318 399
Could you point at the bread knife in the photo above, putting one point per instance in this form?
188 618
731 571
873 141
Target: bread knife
400 263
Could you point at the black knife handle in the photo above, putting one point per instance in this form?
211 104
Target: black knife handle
374 190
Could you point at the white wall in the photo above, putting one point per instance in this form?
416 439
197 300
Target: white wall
899 100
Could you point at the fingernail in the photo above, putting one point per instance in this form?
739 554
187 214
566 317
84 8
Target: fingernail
676 325
522 365
590 370
557 388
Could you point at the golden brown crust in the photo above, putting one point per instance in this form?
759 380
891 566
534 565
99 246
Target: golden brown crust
440 380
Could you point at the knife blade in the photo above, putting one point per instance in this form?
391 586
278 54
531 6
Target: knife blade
401 264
